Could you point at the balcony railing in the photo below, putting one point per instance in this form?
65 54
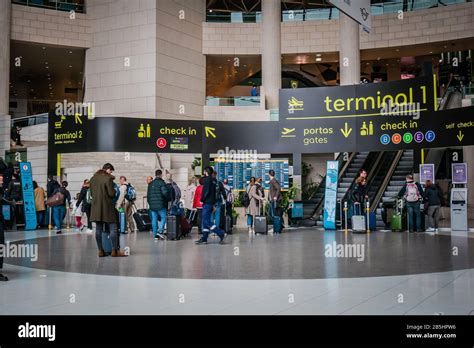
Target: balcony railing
63 5
27 121
233 101
329 13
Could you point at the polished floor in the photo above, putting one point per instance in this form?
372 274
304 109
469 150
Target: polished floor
295 254
43 291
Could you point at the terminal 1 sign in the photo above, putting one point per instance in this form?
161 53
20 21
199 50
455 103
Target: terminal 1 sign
372 117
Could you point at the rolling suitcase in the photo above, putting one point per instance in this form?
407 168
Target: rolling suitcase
142 219
173 227
260 224
396 221
122 222
358 221
227 223
186 224
373 221
106 243
277 224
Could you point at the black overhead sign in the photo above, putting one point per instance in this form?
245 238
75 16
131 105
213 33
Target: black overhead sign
316 120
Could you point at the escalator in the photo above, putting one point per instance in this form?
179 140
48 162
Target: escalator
390 180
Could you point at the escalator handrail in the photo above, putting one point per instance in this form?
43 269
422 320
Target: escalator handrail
386 181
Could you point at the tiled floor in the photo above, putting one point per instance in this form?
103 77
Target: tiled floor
37 291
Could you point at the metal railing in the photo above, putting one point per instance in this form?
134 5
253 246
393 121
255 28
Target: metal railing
329 13
233 101
27 121
64 5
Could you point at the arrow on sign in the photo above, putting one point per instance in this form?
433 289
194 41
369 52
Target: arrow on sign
78 119
460 136
210 132
346 131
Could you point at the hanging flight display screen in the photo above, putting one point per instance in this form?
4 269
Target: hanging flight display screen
239 172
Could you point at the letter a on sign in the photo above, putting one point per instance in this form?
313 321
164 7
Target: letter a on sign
161 143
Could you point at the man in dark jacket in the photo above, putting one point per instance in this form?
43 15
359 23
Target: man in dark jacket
413 193
59 211
2 232
208 199
158 196
274 193
103 208
432 199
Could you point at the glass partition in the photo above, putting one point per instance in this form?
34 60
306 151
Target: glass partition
59 5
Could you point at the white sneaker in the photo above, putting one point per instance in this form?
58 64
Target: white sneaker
89 230
431 229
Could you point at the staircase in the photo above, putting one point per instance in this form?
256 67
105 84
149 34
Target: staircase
404 167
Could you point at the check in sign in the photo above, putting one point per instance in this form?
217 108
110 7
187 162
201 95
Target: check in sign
28 195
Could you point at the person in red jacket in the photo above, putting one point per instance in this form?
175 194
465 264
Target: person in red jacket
197 204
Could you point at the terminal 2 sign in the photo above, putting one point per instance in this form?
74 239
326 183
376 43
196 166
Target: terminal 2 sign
370 117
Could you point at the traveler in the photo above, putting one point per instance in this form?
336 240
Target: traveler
363 173
77 212
188 194
432 197
15 136
220 201
126 201
254 91
7 176
149 179
85 200
158 196
208 200
197 204
246 203
256 203
230 197
413 193
2 229
102 209
175 192
40 196
274 193
59 211
359 194
51 186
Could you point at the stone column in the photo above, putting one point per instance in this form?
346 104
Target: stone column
349 52
5 18
468 156
271 51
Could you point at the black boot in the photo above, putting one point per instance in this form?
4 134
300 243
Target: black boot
3 278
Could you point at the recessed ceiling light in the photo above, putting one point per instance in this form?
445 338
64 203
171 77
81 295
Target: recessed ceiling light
431 52
32 90
70 66
445 46
70 52
47 67
398 50
378 58
210 11
46 63
318 59
318 55
44 47
29 81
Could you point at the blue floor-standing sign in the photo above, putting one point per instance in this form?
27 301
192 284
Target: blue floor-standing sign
330 196
28 195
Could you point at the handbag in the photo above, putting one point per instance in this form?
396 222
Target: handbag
55 200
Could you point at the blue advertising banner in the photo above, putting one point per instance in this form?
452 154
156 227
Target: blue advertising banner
427 172
330 198
26 175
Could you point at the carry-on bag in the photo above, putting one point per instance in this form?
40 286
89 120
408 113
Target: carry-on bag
396 221
358 220
123 224
173 227
142 219
260 223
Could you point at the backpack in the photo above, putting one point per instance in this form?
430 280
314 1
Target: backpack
174 192
230 196
131 193
412 194
220 191
117 193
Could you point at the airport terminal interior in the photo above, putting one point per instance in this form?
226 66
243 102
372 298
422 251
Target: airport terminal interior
237 157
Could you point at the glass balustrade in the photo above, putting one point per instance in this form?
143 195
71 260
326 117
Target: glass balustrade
59 5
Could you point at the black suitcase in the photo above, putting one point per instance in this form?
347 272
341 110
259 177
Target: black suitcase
173 227
261 225
142 219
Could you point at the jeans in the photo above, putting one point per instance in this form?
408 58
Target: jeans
100 228
129 217
413 210
216 214
87 210
249 220
158 227
39 217
2 236
58 216
433 216
207 225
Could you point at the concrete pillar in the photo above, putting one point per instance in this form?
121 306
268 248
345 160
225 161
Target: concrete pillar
349 52
5 18
271 51
468 156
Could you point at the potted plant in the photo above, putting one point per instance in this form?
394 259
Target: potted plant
235 216
196 166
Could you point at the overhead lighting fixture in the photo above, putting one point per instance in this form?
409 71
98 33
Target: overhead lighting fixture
398 50
431 52
70 66
44 47
319 59
47 67
318 54
70 52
